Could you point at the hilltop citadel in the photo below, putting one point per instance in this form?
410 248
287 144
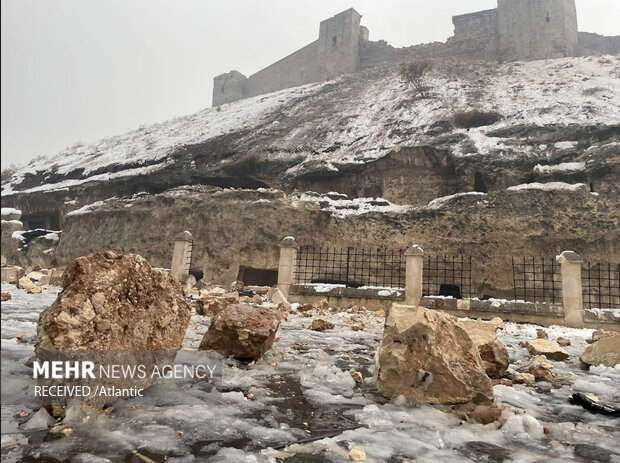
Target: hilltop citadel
515 30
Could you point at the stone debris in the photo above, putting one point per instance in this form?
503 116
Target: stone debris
359 326
605 351
493 353
541 334
39 421
600 334
210 306
115 302
321 325
539 367
243 331
494 356
276 296
6 297
27 285
548 348
524 378
479 332
357 453
498 323
563 342
426 356
485 414
237 285
356 375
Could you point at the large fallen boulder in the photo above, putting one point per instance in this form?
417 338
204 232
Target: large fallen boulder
115 302
243 331
493 353
426 357
605 351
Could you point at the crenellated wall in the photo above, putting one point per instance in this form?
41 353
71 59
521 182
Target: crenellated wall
515 30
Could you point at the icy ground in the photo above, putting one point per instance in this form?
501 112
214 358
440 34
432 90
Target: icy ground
301 391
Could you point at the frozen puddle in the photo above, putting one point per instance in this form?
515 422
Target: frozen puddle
300 402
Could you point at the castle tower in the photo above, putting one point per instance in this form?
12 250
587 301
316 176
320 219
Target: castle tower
228 87
338 48
536 29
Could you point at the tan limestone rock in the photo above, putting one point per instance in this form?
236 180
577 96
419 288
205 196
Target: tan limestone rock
426 356
548 348
606 352
242 331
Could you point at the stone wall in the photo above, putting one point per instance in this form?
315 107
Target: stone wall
337 51
536 29
299 68
475 35
590 44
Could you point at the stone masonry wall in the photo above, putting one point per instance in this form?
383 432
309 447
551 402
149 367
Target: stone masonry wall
337 51
536 29
475 35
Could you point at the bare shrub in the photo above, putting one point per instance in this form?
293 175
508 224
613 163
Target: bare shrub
414 74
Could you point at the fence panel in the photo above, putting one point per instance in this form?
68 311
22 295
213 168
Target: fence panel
352 267
537 279
601 286
447 276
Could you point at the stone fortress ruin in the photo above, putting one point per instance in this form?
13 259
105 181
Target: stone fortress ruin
515 30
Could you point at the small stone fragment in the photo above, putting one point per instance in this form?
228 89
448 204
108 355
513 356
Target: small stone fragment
357 454
321 325
524 378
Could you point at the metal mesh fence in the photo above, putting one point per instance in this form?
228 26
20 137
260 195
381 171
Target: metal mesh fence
447 276
352 267
601 286
537 279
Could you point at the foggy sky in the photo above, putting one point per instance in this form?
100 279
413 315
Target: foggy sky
80 70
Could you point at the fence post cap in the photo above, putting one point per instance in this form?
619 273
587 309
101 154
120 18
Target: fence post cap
184 236
569 257
289 242
414 250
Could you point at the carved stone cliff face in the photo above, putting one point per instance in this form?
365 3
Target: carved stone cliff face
485 128
242 228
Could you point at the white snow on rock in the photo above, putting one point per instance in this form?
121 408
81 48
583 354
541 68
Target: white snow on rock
438 203
551 186
149 145
5 211
349 207
560 168
375 117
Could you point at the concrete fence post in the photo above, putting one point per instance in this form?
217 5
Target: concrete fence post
286 267
182 255
413 275
572 298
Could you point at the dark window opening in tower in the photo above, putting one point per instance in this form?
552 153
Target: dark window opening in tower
591 187
548 17
334 40
223 89
479 184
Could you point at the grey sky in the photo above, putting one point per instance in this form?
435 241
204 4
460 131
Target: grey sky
80 70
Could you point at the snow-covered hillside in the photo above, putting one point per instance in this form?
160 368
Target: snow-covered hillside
353 120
